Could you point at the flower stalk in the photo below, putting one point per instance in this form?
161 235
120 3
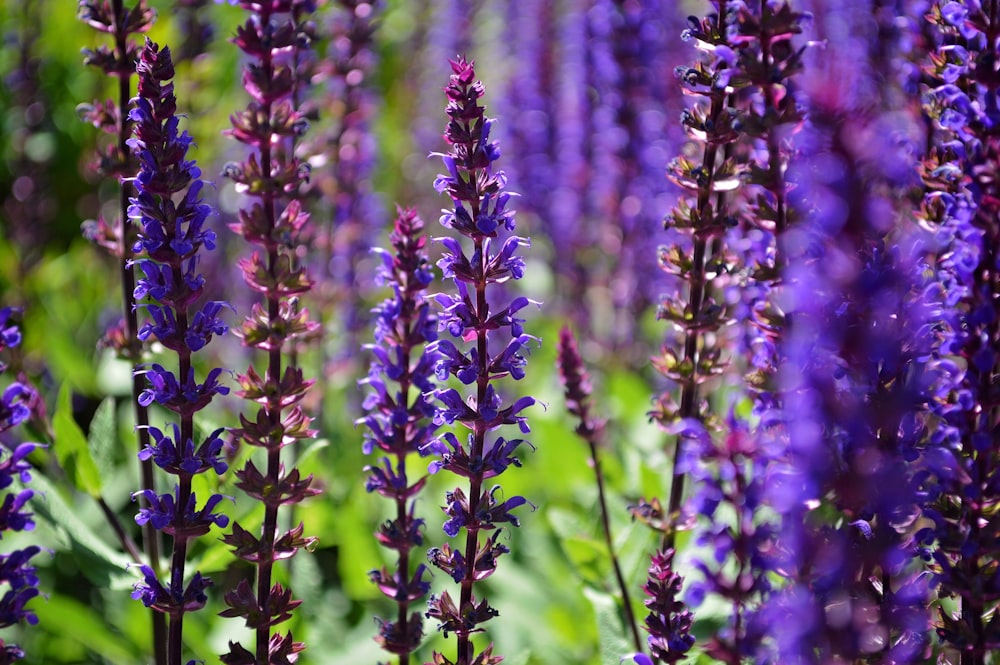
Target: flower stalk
698 224
480 215
576 386
172 218
400 422
275 222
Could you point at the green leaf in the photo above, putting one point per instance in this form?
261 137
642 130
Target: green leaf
610 627
587 554
71 449
103 437
76 621
100 563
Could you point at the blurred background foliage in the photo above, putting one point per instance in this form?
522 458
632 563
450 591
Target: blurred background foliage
555 591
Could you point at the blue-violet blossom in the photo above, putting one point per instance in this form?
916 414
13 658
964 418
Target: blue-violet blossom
482 215
172 219
15 569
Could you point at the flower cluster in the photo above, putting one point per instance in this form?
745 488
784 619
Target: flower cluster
851 384
481 214
400 421
697 258
122 23
729 471
348 152
173 233
15 569
960 205
272 39
668 622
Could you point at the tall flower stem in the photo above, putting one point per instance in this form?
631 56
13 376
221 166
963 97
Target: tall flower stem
702 224
400 422
272 40
576 385
173 231
121 23
480 215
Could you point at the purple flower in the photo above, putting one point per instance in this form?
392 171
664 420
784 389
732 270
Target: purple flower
960 478
487 348
172 232
15 569
172 601
668 621
400 422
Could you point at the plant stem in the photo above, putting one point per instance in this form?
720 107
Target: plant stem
151 537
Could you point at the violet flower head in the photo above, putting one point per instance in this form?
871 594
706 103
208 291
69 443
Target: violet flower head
729 470
669 621
173 235
400 421
490 345
15 568
698 259
348 151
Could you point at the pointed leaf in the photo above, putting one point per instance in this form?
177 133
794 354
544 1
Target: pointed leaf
70 447
102 439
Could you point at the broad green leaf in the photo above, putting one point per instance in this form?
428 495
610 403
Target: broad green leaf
76 621
71 449
587 554
100 563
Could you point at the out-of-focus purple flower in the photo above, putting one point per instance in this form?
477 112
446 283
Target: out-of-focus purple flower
344 160
400 420
493 346
851 383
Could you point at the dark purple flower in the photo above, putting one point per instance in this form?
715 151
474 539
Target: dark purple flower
668 621
173 601
400 422
487 347
15 569
173 234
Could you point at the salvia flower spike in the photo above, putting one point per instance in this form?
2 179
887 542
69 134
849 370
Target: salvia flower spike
172 218
274 41
729 471
400 422
960 206
697 258
122 23
490 344
15 569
